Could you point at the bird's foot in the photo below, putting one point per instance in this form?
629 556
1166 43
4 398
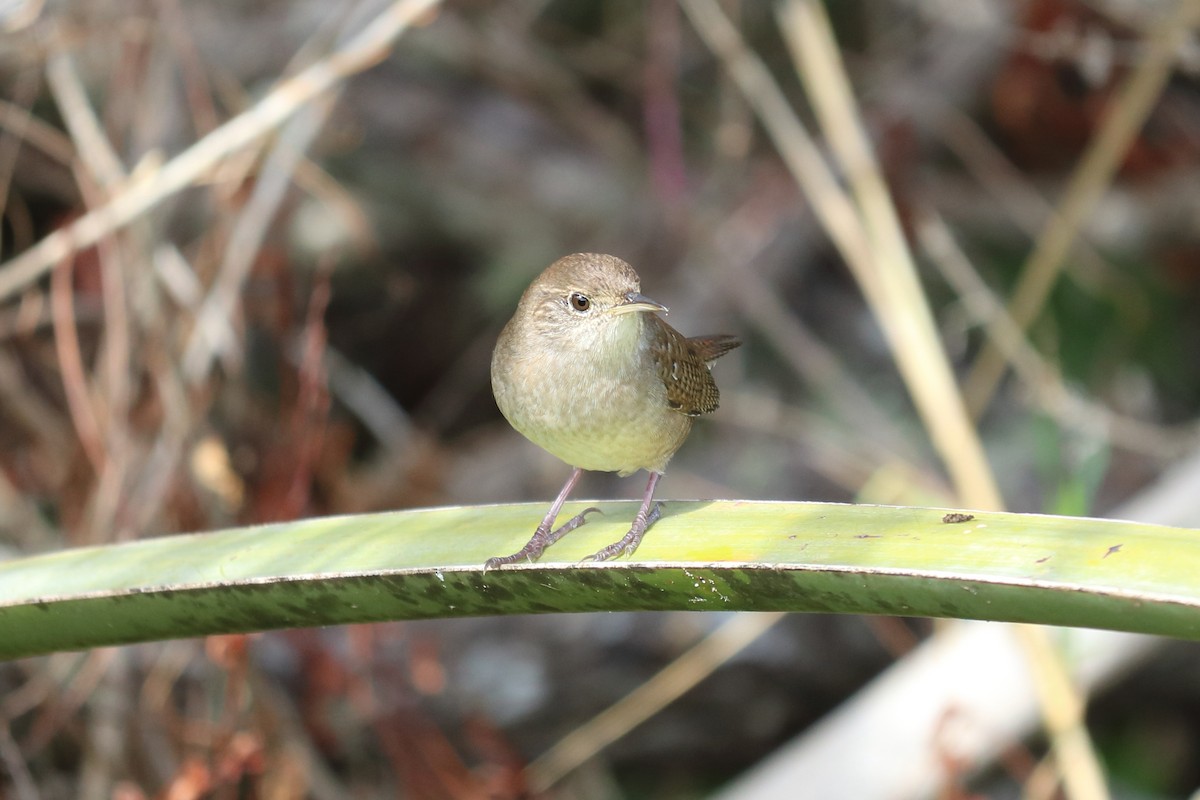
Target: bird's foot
630 541
542 538
570 525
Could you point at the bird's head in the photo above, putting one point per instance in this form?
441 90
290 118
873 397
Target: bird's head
589 299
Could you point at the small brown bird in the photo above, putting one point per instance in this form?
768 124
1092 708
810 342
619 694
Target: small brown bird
588 372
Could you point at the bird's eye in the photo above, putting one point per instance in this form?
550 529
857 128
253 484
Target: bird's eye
579 302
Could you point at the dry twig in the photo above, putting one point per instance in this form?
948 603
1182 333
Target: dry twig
145 192
649 698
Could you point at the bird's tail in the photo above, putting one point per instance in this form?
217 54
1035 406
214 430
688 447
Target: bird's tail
710 348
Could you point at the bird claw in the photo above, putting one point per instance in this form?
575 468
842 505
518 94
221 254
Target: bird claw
628 543
496 562
619 548
534 548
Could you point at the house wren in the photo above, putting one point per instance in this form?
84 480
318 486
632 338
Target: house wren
588 372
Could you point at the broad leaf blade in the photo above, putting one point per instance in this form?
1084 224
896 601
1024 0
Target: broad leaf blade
701 556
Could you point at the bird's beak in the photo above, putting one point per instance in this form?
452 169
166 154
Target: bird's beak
636 301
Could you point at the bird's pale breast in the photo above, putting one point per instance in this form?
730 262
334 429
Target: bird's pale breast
599 406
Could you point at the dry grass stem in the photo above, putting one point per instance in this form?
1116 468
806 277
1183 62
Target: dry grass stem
74 376
1043 381
131 201
23 126
648 699
99 171
1063 707
13 760
797 148
1130 107
900 306
1026 206
919 354
214 330
741 237
91 144
17 120
854 239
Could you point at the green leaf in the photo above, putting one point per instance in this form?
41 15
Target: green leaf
702 556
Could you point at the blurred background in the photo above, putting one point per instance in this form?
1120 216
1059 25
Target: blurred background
304 327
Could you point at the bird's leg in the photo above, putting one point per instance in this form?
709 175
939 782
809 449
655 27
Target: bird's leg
543 537
646 517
